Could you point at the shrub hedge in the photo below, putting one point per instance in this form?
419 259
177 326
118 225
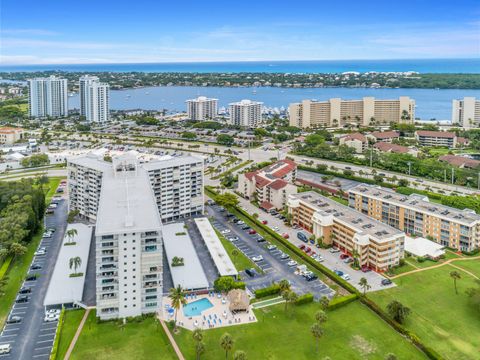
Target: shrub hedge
342 301
271 290
304 299
53 354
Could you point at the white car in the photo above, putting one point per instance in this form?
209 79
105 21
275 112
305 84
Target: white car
47 234
53 311
233 238
240 222
226 231
40 252
257 258
292 263
319 258
284 256
51 317
271 247
346 277
276 228
334 250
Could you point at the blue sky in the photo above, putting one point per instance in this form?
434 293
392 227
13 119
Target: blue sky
105 31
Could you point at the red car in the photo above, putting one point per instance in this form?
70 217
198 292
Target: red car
286 236
313 253
301 247
251 232
307 250
343 256
264 222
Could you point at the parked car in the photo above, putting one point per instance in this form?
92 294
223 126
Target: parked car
366 269
301 247
22 299
284 256
338 272
311 277
343 256
226 231
334 250
276 228
307 249
257 258
252 232
346 277
5 348
260 239
319 259
240 222
292 263
51 317
233 238
264 222
40 252
302 236
14 319
25 290
31 277
285 235
245 227
35 267
348 260
271 247
250 272
386 282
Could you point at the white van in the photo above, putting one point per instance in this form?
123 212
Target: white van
5 348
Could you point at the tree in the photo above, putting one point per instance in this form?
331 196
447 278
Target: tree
398 311
17 249
177 297
71 233
227 200
224 284
391 356
75 263
226 342
455 275
317 333
199 345
320 317
474 295
324 302
71 215
240 355
284 285
234 253
187 135
226 140
363 283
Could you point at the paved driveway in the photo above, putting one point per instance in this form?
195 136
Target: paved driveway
32 338
274 268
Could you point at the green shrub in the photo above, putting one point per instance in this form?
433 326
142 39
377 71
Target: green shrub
471 253
5 266
304 299
58 333
341 301
271 290
420 259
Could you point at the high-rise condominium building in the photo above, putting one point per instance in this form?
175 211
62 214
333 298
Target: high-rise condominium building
415 215
176 182
48 97
128 234
202 108
466 112
246 113
337 112
376 245
94 99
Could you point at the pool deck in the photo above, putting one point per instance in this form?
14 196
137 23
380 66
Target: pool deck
219 309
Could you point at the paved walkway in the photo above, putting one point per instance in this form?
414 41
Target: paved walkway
171 339
77 334
437 266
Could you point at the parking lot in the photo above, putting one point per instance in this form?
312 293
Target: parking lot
32 337
274 268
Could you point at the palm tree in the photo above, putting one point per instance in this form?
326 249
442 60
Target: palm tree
234 253
75 262
177 296
284 285
320 316
71 234
324 302
364 285
226 342
199 345
455 275
240 355
317 333
355 255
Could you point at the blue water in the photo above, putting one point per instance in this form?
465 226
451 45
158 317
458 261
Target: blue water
317 66
196 307
431 104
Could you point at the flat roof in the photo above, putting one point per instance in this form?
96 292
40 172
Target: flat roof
171 162
417 202
177 243
62 288
127 203
91 161
423 247
362 223
219 255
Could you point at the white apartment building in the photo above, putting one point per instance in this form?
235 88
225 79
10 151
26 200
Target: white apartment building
177 184
466 112
10 135
48 97
246 113
338 113
128 234
94 99
202 108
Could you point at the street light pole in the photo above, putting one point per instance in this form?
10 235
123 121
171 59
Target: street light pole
409 168
453 175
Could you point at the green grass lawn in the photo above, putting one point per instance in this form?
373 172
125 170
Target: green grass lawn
443 320
470 265
351 332
52 187
240 261
70 324
109 340
402 269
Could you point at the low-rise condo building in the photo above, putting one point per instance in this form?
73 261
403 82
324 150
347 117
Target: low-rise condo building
338 113
466 112
436 138
10 135
356 141
384 136
375 245
271 185
415 215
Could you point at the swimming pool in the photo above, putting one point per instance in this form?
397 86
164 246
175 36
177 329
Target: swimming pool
196 307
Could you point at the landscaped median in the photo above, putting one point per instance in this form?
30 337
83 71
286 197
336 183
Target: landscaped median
230 171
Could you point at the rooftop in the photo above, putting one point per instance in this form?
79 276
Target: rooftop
62 288
383 146
218 253
461 161
423 247
419 203
177 243
440 134
355 136
385 134
354 219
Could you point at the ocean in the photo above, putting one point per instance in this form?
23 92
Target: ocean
431 104
317 66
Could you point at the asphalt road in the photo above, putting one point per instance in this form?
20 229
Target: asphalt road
274 268
33 338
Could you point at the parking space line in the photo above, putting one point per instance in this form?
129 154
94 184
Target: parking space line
52 334
50 328
42 348
44 341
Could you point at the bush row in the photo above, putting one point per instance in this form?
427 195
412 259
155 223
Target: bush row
342 301
53 354
271 290
304 299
